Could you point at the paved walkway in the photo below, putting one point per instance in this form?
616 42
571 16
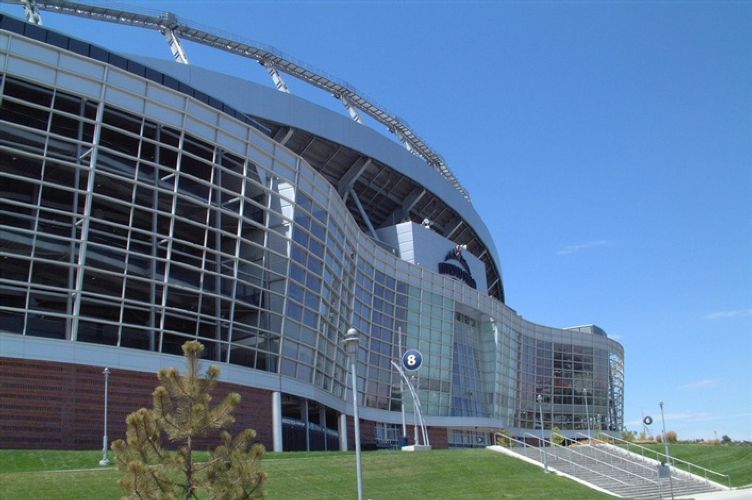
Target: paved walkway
742 494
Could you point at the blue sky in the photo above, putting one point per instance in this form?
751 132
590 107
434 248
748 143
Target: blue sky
607 146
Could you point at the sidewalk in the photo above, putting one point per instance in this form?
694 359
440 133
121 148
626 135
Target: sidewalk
740 494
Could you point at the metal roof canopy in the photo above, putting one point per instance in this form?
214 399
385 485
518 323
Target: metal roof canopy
172 27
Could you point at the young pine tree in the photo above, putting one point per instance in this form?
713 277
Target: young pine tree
182 412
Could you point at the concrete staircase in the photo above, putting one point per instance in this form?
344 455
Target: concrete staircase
617 471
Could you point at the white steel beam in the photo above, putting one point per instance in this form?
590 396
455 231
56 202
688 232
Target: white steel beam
347 181
178 53
351 109
32 12
279 82
169 23
403 211
283 135
364 214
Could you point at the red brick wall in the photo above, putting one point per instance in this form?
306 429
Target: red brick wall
436 435
61 405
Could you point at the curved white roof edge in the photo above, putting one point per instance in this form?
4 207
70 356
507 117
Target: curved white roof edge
288 109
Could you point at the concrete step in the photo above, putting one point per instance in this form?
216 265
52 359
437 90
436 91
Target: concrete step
611 471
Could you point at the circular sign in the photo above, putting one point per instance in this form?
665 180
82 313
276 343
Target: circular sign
412 359
647 420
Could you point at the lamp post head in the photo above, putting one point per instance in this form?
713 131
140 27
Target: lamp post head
660 403
106 371
539 398
351 342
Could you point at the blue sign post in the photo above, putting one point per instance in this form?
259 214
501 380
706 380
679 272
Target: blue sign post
412 359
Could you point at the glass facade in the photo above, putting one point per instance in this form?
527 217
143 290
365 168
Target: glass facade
137 216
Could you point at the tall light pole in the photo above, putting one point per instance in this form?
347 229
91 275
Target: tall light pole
540 409
351 348
105 460
665 447
402 391
665 438
587 416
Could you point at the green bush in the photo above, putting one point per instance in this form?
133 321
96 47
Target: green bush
671 437
503 438
556 436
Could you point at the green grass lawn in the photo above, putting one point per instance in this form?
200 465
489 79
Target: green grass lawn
734 460
450 474
461 474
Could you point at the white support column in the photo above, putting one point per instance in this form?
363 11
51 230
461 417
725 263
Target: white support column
178 53
276 78
277 421
323 423
169 21
307 425
342 429
32 12
85 221
351 109
363 214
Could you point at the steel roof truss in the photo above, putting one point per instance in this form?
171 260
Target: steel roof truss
273 63
347 181
364 215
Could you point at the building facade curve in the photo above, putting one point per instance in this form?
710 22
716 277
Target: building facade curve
138 211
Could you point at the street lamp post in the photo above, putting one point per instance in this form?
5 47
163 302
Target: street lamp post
402 392
587 416
665 447
665 440
351 348
545 455
105 460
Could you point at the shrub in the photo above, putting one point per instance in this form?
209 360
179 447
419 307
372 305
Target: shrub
628 436
182 412
671 437
503 438
556 436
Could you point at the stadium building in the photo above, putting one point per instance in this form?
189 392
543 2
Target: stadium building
146 202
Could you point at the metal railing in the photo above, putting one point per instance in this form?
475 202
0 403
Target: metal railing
542 452
688 466
588 457
610 454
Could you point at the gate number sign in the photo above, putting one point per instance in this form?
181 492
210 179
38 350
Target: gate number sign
412 359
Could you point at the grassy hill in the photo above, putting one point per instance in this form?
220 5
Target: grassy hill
733 459
448 474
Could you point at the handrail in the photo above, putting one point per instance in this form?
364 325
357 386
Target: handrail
599 450
570 450
670 459
525 445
